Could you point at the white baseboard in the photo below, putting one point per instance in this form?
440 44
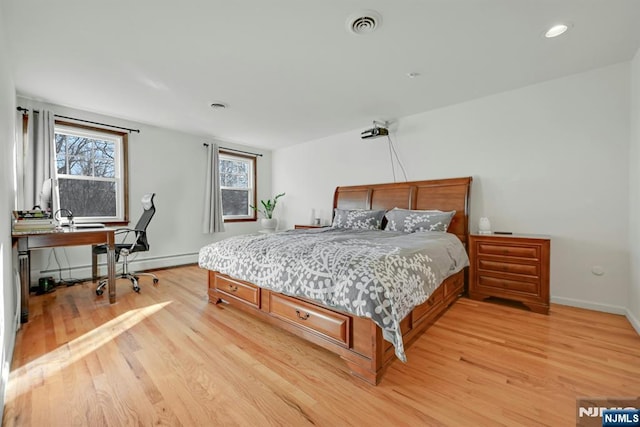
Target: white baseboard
135 264
606 308
634 321
153 263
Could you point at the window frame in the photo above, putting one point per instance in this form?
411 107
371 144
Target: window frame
124 171
253 190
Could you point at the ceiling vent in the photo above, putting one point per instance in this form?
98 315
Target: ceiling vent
364 22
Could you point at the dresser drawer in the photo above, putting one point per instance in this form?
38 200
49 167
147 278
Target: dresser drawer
327 323
485 281
486 248
238 290
509 267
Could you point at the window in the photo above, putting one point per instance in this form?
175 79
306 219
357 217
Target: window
91 172
238 186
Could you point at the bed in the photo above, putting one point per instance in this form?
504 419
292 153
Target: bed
368 332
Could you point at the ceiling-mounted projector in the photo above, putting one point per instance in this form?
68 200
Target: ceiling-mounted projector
374 132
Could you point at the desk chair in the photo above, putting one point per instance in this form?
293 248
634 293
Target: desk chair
139 244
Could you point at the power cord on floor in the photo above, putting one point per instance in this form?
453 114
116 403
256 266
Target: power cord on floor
51 284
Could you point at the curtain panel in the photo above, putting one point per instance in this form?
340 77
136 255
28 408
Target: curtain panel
213 221
23 120
36 156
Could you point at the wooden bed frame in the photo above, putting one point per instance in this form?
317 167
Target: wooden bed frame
358 340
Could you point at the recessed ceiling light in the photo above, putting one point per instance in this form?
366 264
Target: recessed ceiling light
218 106
556 30
413 75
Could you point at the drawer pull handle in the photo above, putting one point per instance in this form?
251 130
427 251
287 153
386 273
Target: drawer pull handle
233 288
301 317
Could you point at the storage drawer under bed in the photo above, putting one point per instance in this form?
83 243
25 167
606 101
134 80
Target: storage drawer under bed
330 324
241 291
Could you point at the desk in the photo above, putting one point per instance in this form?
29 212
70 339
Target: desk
65 237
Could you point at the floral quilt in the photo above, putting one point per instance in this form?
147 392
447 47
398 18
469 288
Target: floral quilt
381 275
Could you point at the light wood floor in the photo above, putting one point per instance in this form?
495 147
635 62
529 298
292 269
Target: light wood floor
166 356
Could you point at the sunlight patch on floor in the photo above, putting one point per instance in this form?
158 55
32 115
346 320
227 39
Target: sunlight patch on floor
35 372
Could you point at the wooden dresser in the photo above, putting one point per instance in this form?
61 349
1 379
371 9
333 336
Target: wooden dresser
514 267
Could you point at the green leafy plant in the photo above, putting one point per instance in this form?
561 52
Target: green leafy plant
268 205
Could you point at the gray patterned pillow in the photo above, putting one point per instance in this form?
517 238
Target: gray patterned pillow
411 221
357 218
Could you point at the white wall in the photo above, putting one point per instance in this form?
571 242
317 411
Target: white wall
8 291
634 196
171 164
547 159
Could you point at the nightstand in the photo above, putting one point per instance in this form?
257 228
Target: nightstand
303 226
514 267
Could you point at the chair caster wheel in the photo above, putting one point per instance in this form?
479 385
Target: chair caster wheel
155 281
99 292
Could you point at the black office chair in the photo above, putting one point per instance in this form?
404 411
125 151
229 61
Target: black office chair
139 244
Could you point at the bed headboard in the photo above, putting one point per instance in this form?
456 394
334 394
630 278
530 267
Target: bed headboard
442 194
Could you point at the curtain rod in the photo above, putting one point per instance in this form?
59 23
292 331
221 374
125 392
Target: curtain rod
237 151
24 110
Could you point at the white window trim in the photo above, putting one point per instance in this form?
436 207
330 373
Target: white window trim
118 140
251 190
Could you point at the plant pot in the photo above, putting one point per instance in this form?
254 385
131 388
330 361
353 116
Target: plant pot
269 224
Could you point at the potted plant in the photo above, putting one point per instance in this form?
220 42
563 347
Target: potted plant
268 222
